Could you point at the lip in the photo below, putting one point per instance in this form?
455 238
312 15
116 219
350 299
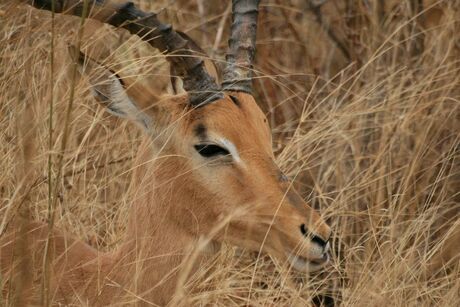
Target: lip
302 264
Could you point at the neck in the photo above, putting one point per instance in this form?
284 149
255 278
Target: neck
148 264
158 244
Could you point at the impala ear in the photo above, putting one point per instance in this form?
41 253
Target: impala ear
109 90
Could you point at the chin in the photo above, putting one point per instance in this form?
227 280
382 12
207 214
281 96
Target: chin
304 265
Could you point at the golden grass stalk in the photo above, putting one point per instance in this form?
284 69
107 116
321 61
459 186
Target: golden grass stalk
53 195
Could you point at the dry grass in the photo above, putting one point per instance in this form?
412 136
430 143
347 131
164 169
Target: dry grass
372 136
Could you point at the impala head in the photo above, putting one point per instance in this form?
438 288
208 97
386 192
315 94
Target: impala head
219 146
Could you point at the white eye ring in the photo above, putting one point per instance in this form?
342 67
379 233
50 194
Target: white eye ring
232 149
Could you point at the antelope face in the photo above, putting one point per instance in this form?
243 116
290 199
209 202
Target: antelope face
229 147
224 150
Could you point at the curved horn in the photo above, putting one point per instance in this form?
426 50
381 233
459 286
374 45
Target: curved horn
197 82
241 46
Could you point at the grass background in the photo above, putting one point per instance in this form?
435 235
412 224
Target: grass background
364 103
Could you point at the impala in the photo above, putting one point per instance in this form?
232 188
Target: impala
206 170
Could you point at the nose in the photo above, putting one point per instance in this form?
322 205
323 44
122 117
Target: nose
323 242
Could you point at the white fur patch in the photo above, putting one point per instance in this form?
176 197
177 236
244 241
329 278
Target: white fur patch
232 149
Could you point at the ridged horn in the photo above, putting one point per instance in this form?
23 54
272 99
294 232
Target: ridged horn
201 87
241 46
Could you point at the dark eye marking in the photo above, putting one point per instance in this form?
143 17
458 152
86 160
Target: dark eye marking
200 131
211 150
235 100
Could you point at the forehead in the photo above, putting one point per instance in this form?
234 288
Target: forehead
235 117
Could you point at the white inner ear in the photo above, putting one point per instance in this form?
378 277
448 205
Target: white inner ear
109 91
232 149
112 94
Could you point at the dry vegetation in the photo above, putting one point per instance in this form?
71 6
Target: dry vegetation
364 102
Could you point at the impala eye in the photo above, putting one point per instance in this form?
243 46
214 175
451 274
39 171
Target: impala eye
211 150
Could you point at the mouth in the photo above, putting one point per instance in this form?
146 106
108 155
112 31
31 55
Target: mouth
302 264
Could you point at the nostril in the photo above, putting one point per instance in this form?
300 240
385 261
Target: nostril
312 236
318 240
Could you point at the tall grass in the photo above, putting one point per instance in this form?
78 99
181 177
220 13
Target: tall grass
364 103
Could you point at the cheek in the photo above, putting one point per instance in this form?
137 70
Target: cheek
230 185
239 190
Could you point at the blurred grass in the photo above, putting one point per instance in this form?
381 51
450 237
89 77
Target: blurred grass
364 103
